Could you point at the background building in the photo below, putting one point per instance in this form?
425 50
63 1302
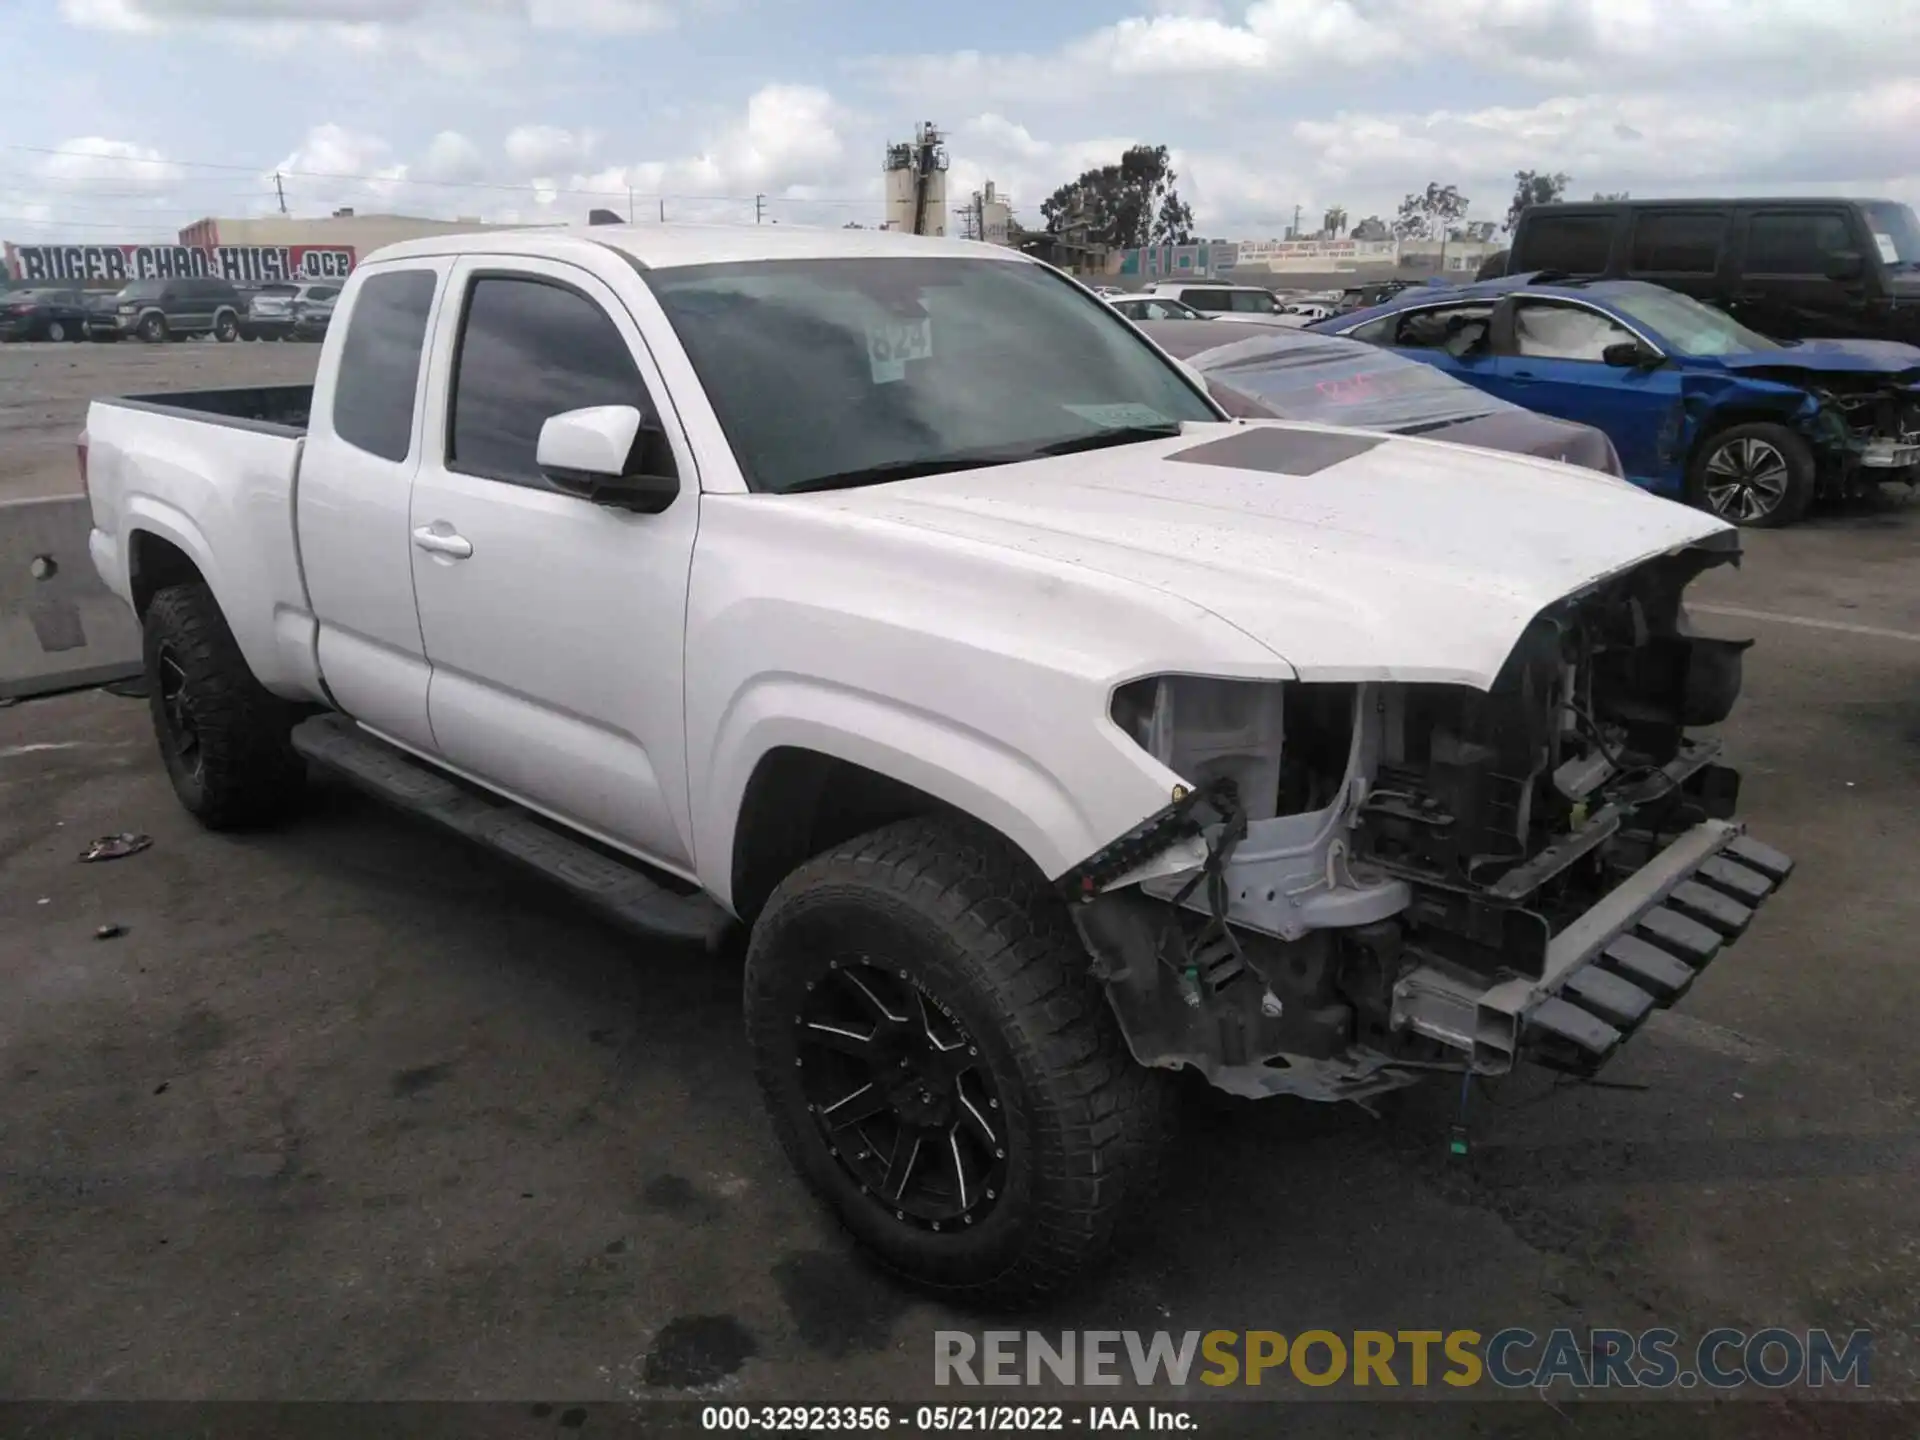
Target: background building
362 233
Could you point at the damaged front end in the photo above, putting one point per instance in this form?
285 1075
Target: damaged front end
1869 430
1366 882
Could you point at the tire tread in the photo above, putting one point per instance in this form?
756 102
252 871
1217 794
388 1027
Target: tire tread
1111 1115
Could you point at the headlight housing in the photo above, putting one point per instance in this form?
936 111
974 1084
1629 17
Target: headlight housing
1206 729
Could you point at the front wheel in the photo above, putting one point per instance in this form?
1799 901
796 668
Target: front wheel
153 329
1759 475
56 330
223 736
942 1069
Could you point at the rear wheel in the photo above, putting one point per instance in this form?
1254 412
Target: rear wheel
56 330
223 736
942 1069
226 329
1759 475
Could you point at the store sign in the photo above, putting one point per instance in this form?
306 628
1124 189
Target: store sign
166 262
1260 252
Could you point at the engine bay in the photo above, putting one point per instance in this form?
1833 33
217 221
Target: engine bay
1378 857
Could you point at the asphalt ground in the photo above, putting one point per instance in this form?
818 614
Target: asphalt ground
44 390
350 1111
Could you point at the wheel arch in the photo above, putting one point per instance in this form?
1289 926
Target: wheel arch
800 802
155 562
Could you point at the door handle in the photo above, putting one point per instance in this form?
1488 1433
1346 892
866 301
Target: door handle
442 542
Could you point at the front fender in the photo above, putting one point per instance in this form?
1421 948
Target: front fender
1055 821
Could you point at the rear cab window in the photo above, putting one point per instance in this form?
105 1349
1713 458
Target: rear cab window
379 369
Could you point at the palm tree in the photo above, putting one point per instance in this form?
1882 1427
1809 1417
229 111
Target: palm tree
1334 222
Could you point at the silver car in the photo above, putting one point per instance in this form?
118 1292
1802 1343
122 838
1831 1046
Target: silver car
275 311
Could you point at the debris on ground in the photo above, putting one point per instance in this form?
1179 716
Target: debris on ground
133 688
110 932
115 847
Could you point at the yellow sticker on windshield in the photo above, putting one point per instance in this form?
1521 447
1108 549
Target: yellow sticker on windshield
892 344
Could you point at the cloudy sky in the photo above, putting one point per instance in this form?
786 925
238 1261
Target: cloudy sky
129 118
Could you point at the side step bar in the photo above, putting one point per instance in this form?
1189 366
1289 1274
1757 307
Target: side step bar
624 891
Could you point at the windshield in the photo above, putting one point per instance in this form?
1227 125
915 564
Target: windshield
847 372
143 290
1685 325
1896 234
1343 382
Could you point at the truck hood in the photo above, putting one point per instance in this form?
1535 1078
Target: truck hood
1851 357
1351 556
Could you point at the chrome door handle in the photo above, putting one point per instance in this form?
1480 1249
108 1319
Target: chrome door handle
454 547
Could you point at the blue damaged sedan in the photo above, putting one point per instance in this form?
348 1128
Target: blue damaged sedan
1699 407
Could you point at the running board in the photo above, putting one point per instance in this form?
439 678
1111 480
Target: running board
622 890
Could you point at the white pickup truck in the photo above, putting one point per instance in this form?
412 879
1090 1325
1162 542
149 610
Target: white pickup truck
1049 730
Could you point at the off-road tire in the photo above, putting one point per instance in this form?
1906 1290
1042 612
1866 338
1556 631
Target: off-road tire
241 769
1801 478
153 329
982 933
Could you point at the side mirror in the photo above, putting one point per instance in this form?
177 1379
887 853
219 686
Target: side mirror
1844 265
1630 355
588 453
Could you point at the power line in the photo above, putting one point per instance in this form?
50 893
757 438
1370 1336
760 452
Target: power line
522 187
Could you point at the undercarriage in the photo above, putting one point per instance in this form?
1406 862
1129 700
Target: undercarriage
1364 883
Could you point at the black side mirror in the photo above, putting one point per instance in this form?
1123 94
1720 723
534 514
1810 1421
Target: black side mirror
1630 355
1844 265
643 494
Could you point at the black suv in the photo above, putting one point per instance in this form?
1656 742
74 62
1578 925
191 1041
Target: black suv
157 310
1792 269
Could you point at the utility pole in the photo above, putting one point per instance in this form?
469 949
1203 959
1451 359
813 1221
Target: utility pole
629 204
1296 222
759 208
280 191
663 209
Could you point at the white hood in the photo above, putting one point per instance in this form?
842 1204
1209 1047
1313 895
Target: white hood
1350 556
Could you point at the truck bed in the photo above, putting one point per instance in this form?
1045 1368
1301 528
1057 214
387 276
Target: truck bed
274 409
211 475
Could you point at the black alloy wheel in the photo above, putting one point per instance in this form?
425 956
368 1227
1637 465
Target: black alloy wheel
175 699
896 1085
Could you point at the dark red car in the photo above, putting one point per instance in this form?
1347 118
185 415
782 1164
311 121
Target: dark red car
1274 373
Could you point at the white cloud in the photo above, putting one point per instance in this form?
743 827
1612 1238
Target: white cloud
1605 46
600 17
452 157
74 163
533 149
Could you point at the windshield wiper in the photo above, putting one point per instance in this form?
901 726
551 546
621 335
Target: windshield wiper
898 470
1101 439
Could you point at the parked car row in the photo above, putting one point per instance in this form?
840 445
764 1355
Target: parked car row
1699 406
156 311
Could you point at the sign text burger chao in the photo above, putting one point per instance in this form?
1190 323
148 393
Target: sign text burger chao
82 263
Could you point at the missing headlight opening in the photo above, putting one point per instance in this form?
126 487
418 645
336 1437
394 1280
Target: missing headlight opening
1397 878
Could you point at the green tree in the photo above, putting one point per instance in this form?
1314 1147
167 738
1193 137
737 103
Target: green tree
1127 204
1334 222
1372 228
1430 214
1535 187
1611 195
